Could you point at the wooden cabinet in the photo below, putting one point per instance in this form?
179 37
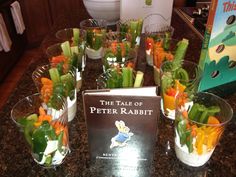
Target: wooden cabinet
8 59
37 17
42 15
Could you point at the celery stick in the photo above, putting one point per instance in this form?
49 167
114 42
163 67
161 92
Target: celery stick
119 53
140 26
127 75
180 51
74 49
138 79
98 41
127 48
76 33
65 46
54 75
133 30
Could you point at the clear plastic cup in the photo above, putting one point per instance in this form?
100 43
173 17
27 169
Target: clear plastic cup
55 56
50 81
199 124
154 33
120 78
95 34
118 52
45 128
183 77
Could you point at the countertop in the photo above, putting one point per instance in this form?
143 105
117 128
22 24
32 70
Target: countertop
16 160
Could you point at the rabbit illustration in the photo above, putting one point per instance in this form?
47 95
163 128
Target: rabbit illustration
122 136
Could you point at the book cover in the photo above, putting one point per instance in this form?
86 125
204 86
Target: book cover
218 50
152 11
122 126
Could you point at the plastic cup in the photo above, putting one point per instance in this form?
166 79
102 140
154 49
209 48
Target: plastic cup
45 128
131 30
118 52
78 61
199 124
68 34
175 79
154 33
119 78
64 84
95 34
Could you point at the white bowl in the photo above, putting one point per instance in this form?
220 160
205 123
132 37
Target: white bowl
104 9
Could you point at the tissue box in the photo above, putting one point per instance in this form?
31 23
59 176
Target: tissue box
151 11
218 56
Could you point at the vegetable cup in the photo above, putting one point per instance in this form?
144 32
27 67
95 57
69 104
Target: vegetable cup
57 80
199 125
45 127
131 30
163 49
95 34
76 37
120 78
158 43
177 77
62 54
118 52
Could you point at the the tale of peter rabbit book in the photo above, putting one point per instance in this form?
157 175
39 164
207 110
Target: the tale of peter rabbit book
218 56
122 126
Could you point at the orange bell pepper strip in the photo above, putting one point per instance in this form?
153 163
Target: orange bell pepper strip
213 120
168 101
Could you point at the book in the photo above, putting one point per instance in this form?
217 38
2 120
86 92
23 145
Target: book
122 127
218 57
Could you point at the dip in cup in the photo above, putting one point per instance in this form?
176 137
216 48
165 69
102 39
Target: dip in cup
199 124
95 34
53 80
45 128
177 77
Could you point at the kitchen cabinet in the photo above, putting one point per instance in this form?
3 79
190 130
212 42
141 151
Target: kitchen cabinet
8 59
41 16
37 20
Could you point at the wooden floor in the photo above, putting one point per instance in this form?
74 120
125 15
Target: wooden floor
15 74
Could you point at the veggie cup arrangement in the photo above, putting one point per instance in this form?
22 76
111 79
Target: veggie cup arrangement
62 54
118 52
95 34
177 77
116 77
52 80
76 37
131 30
158 39
45 127
199 124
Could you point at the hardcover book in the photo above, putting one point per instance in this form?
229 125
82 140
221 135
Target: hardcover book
218 56
122 127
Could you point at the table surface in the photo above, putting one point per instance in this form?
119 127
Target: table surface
16 160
